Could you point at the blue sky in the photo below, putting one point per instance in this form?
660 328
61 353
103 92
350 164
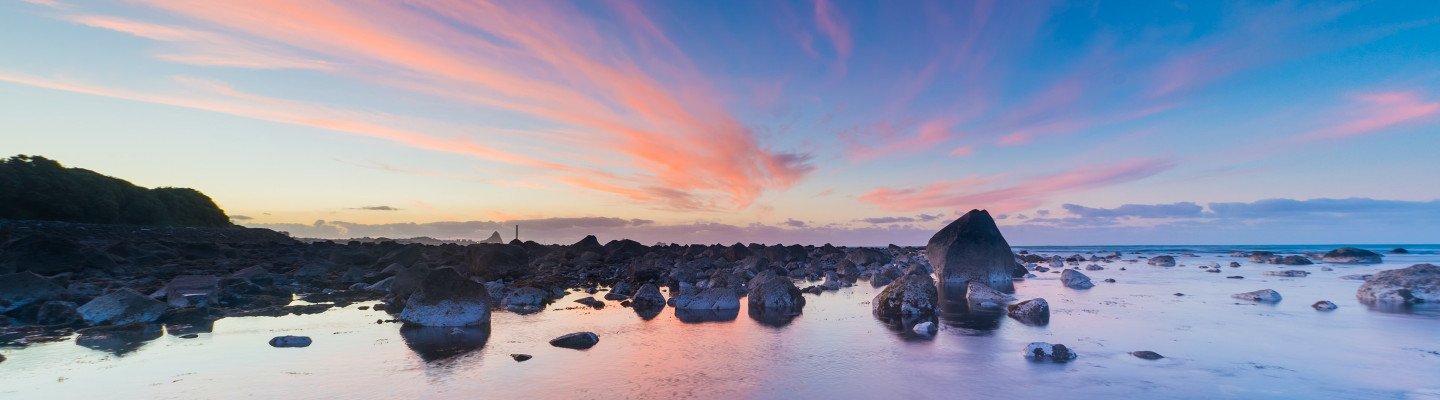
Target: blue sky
798 121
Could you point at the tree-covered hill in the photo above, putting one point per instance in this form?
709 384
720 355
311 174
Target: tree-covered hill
38 188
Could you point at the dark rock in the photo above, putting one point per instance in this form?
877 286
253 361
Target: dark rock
980 295
910 297
1324 305
191 290
24 288
121 307
189 336
58 313
647 297
1234 277
590 301
290 341
708 299
1263 296
1031 312
1041 351
771 291
577 340
1351 255
1146 355
1162 261
447 299
1399 250
524 300
1075 280
1419 283
489 262
1291 260
434 343
47 255
972 249
1289 273
520 357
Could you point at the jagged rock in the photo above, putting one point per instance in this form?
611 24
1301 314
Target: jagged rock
911 296
1075 280
1032 312
1041 351
24 288
445 298
121 307
577 340
1263 296
972 249
771 291
648 297
980 295
1162 261
290 341
1351 255
1419 283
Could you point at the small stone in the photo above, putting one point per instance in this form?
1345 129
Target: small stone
1041 351
577 340
1146 355
1263 295
1109 280
1179 294
1324 305
362 308
1234 277
926 328
290 341
520 357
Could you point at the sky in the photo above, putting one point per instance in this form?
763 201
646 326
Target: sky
812 121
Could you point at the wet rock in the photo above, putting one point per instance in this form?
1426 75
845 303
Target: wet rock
980 295
1041 351
1351 255
1093 267
1162 261
191 290
290 341
972 249
1291 260
1146 355
1419 283
1324 305
1234 264
25 288
58 313
1234 277
1290 273
926 328
708 299
911 296
1031 312
447 299
771 291
190 336
1263 296
521 357
118 339
524 300
1075 280
648 297
590 301
124 306
1399 250
577 340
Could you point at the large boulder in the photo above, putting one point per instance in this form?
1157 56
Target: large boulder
124 306
1419 283
771 291
1075 279
446 298
912 296
972 249
719 298
1351 255
24 288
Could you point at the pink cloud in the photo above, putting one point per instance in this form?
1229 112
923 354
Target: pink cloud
963 151
927 135
202 48
1375 112
1013 195
833 25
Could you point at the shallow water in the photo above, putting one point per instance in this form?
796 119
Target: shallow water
1215 347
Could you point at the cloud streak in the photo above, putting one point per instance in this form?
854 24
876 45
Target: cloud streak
1014 195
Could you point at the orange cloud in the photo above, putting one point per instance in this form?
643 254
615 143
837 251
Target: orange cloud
983 192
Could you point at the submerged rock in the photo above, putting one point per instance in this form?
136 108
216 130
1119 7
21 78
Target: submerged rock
447 299
577 340
1075 280
1324 305
1146 355
1263 296
972 249
1419 283
1031 312
1351 255
124 306
1041 351
290 341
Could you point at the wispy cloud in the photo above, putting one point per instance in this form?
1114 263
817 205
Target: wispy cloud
1374 112
1013 194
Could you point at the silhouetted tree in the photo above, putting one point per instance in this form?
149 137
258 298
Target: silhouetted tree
35 187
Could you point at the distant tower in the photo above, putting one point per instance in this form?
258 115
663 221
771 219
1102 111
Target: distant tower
517 231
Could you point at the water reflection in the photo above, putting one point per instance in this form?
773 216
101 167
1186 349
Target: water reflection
118 340
698 316
773 318
648 313
435 343
955 311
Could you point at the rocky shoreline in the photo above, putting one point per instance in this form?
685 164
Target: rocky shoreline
116 285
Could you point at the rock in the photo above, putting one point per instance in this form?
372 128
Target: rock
1162 261
1324 305
494 238
1357 277
926 328
1326 269
1075 280
520 357
1291 260
290 341
1419 283
58 313
1351 255
445 298
708 299
577 340
833 281
1263 296
1399 250
980 295
911 296
124 306
972 249
1289 273
1234 264
524 300
1093 267
1109 280
1041 351
191 290
648 297
771 291
590 301
1234 277
1146 355
190 336
24 288
496 261
1032 312
1261 256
